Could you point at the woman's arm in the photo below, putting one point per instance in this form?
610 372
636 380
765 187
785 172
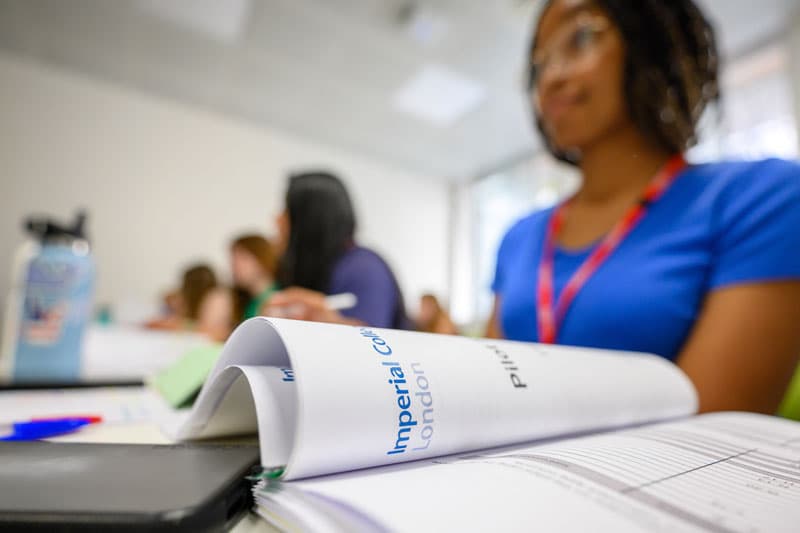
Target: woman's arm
744 347
215 317
493 330
444 325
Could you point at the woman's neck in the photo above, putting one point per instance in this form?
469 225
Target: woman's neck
259 286
618 168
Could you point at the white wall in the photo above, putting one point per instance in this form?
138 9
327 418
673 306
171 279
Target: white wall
166 184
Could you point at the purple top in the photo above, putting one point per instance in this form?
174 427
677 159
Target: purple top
365 274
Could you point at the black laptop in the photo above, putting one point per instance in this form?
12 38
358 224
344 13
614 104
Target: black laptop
49 486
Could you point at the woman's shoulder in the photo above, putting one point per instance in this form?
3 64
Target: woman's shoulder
358 260
731 190
361 254
753 210
746 175
529 224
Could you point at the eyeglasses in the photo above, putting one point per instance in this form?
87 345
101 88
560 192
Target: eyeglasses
573 46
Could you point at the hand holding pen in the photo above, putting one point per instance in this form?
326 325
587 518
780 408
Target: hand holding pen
303 304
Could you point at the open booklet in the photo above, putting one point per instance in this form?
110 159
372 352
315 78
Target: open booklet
339 408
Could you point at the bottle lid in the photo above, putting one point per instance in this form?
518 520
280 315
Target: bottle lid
45 229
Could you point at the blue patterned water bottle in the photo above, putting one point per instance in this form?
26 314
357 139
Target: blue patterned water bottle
53 305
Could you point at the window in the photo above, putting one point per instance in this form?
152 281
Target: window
498 200
757 117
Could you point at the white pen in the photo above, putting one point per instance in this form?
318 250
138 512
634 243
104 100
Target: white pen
335 302
344 300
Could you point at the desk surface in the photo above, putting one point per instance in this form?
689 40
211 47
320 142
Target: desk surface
144 352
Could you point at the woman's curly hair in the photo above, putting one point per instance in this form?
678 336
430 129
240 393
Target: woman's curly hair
671 69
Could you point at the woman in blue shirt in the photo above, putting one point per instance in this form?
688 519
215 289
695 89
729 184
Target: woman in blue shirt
704 271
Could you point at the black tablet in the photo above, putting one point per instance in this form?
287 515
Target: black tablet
49 486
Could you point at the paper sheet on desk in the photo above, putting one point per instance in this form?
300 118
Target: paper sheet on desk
114 404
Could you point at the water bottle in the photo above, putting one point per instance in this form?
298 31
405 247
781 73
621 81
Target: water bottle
50 304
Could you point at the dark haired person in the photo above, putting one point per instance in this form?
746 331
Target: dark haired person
320 257
699 264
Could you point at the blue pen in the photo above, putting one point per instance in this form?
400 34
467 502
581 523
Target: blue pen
42 429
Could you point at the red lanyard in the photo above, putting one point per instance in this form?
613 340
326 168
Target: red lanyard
550 318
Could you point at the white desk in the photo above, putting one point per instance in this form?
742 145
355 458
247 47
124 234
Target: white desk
128 353
120 354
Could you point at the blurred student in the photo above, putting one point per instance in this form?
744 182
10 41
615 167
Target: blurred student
252 261
699 264
183 306
433 318
253 265
320 257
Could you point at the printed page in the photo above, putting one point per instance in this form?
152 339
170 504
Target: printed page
256 342
367 397
725 472
230 409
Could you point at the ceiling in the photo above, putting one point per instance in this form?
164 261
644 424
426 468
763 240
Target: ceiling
328 70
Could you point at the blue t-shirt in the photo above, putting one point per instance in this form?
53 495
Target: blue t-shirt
365 274
717 225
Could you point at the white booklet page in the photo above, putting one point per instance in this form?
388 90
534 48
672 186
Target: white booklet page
339 398
723 472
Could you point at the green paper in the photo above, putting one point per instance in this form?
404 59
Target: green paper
180 382
790 407
266 473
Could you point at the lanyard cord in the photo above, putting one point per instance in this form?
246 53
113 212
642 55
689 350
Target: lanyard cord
550 313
